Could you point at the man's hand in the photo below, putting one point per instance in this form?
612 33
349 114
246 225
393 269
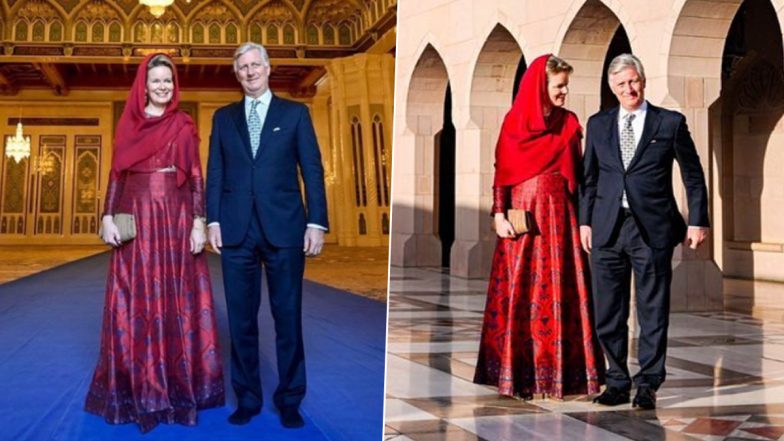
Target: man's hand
585 238
695 236
214 236
314 241
503 228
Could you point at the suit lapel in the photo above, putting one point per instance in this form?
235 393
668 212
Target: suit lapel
652 120
241 122
615 142
271 122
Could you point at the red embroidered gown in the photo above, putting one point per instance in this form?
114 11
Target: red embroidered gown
159 358
537 336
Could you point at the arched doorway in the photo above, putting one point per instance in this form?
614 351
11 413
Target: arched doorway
414 240
444 175
492 84
618 45
593 38
750 110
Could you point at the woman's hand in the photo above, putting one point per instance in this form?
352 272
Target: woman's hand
109 231
198 236
503 228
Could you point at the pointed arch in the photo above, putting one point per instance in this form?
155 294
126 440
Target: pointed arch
494 72
414 230
112 5
229 5
692 25
14 11
585 43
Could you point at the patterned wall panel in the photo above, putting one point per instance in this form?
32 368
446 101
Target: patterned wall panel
13 213
149 29
214 23
276 22
358 162
86 177
339 22
381 155
380 159
102 20
50 183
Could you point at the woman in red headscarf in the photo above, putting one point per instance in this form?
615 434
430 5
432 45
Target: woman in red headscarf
159 359
537 336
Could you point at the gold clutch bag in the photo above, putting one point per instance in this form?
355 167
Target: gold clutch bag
520 220
126 224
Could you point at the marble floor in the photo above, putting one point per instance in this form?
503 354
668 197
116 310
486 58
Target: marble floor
725 377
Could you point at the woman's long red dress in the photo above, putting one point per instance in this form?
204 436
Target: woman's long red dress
159 358
537 336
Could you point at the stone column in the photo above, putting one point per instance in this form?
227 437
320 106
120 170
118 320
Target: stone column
362 91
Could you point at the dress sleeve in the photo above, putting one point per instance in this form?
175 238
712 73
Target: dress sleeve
500 199
114 191
196 181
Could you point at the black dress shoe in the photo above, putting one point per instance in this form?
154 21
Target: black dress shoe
290 418
243 415
645 398
612 396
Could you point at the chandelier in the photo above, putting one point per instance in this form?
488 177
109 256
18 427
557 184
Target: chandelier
157 7
18 146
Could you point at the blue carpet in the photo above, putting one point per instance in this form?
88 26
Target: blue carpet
49 336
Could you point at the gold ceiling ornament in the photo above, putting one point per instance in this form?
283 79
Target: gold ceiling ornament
18 146
157 7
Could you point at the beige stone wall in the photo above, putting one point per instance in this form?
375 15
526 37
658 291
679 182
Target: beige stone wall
472 45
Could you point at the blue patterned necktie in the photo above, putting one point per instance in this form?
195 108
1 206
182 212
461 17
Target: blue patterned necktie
254 126
628 146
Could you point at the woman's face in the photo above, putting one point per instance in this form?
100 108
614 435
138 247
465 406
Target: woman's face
558 88
160 86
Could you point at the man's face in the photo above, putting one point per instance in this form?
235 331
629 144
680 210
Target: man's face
252 73
629 88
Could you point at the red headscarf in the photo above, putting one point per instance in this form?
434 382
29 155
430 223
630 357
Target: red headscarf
138 136
528 145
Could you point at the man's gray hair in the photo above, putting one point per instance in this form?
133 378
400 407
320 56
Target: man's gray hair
625 61
247 47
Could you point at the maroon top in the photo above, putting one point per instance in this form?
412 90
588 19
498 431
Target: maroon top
161 159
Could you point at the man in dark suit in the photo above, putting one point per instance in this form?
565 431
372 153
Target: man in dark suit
256 216
629 221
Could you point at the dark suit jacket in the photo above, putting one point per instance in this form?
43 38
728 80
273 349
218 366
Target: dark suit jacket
648 180
235 180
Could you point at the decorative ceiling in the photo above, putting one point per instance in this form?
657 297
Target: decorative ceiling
65 44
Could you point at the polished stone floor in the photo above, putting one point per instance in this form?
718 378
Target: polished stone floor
725 377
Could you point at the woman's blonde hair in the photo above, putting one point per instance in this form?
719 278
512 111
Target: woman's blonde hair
160 60
557 65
